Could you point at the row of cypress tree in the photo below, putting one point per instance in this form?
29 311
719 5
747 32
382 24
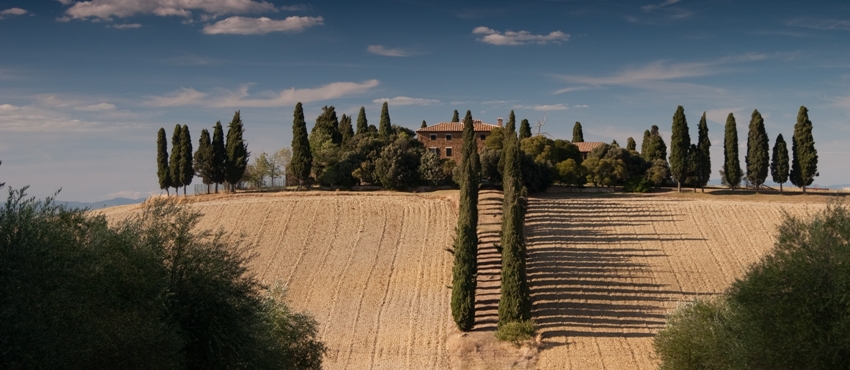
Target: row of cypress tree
466 243
215 161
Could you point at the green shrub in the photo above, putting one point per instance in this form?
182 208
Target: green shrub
637 184
517 331
699 336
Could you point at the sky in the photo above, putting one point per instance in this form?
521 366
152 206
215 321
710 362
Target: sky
85 85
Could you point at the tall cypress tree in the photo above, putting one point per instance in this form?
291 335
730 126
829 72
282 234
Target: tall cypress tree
362 123
731 164
219 156
466 243
162 172
758 149
424 125
578 134
510 129
345 129
515 301
704 159
302 159
204 159
630 144
327 125
804 167
187 170
175 171
779 166
524 130
680 143
656 149
455 117
511 125
644 145
237 152
385 129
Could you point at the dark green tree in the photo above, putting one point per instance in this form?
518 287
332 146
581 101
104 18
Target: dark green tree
302 158
758 151
524 130
162 171
204 159
578 134
804 167
779 165
327 126
511 125
731 173
187 170
175 171
362 122
466 243
219 155
455 117
398 166
237 152
385 128
630 144
645 144
680 142
703 164
655 148
424 125
345 129
510 129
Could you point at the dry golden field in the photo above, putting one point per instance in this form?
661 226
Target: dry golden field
604 270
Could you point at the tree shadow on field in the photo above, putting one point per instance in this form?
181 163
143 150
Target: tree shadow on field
587 280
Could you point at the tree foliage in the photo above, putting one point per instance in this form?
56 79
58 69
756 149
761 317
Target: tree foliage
630 144
466 243
219 155
204 158
175 170
524 130
804 166
703 151
515 301
237 151
680 143
187 170
779 165
385 129
398 166
455 117
362 122
302 157
731 173
758 149
578 134
345 129
162 171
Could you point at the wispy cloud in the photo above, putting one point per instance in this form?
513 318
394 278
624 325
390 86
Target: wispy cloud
542 107
719 115
107 9
262 25
494 37
57 119
12 12
125 26
241 97
581 106
96 107
295 8
388 52
660 12
819 23
404 100
651 7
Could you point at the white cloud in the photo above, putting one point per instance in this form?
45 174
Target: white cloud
262 25
820 23
106 9
126 26
295 8
96 107
581 106
12 11
241 97
404 100
719 115
542 107
33 118
381 50
651 7
494 37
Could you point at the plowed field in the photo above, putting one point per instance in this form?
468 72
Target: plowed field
604 270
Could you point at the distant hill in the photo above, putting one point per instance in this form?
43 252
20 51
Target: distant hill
102 204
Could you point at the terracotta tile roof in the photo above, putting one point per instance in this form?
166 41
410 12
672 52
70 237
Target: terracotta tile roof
587 146
457 127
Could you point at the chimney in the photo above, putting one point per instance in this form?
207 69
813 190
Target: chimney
499 120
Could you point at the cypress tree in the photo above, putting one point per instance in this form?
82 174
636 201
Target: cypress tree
327 125
204 159
385 128
345 129
511 125
731 165
524 130
630 144
424 125
758 151
515 301
779 166
466 243
302 159
175 172
645 144
219 156
578 134
804 167
680 142
187 170
162 172
362 123
656 149
704 148
510 129
237 152
455 117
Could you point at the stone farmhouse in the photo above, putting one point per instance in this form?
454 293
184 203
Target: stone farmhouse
446 138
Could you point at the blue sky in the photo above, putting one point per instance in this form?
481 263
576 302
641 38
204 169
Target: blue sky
85 85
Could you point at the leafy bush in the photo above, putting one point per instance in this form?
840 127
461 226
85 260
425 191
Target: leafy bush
790 311
637 184
516 331
149 292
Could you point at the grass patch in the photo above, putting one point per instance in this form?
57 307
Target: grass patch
517 331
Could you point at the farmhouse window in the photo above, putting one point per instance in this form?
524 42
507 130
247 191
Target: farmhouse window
448 137
433 136
435 150
448 152
483 137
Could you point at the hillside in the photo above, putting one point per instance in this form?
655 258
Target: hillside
604 270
